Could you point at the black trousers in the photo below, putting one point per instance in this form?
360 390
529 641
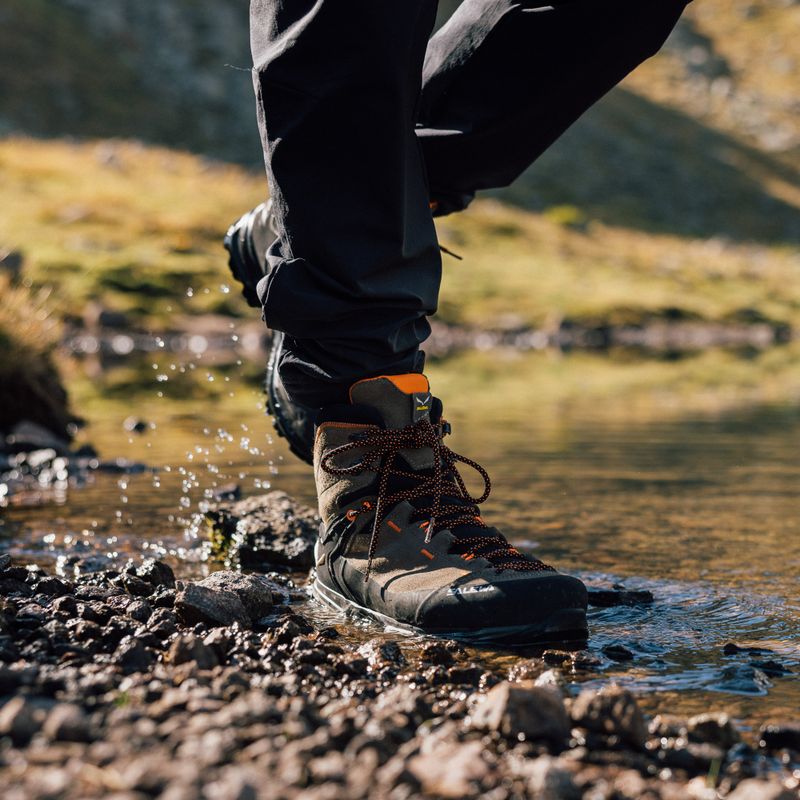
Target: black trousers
364 122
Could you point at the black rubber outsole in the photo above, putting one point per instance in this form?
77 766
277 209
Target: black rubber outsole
566 626
274 408
235 242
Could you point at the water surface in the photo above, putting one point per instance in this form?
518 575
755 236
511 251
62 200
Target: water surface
698 504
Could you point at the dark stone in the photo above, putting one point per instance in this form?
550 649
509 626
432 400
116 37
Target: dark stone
780 736
135 425
617 652
771 667
132 656
20 719
52 586
156 572
732 649
67 722
190 649
135 585
270 529
716 729
195 603
5 561
11 587
139 610
436 653
743 678
66 605
255 591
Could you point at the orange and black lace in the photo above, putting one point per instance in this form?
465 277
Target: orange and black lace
381 448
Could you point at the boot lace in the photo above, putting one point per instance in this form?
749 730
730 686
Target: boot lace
451 505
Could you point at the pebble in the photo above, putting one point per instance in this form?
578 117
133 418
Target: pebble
780 735
755 789
67 722
105 692
716 729
522 710
612 711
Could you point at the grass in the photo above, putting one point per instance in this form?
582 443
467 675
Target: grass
138 229
30 387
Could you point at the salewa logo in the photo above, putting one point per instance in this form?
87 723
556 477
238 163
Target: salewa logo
422 405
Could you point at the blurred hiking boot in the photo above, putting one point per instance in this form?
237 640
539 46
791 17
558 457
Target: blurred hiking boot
402 540
247 242
293 421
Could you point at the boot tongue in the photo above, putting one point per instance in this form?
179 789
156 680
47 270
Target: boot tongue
400 399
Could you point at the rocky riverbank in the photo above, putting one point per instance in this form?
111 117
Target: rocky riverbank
129 683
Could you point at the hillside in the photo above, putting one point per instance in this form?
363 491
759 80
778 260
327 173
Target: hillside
137 230
703 140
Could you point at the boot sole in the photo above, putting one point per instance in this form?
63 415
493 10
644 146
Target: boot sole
239 271
274 407
565 626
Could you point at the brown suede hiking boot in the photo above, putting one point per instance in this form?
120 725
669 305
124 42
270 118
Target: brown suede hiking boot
403 541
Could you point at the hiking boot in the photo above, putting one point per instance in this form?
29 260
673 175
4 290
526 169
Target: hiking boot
247 242
403 541
293 421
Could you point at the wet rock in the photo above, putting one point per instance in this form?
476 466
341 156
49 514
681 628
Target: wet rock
20 719
732 649
552 679
156 573
195 603
617 652
770 667
755 789
451 769
780 735
526 670
188 649
255 591
607 598
382 654
436 653
5 561
716 729
267 530
515 709
67 722
612 711
550 779
743 678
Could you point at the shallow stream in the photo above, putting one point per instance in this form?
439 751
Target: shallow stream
701 507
